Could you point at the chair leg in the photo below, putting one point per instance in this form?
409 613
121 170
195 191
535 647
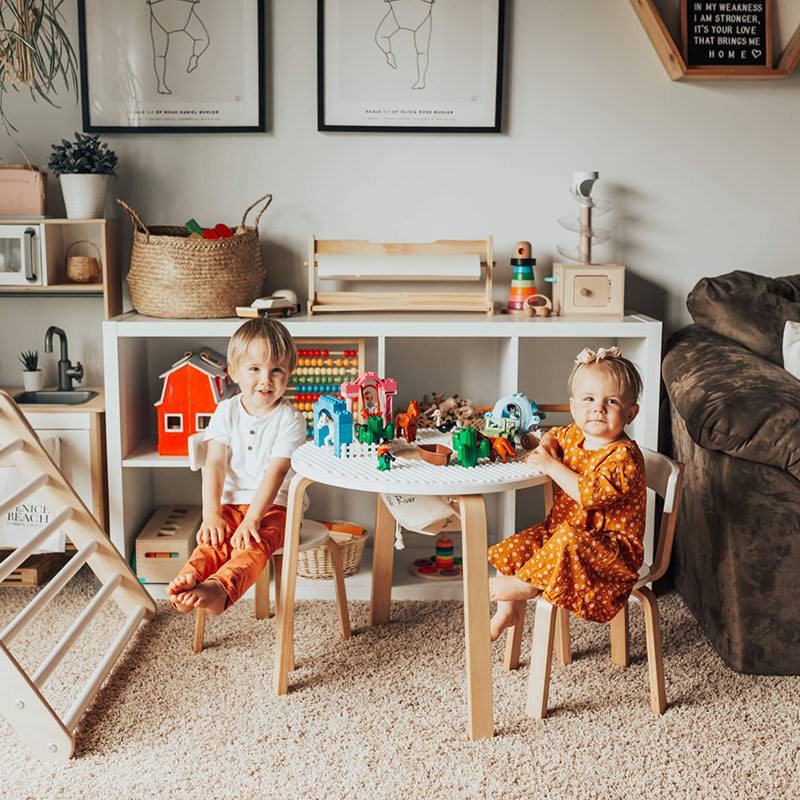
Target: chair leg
262 593
563 648
514 642
341 592
620 638
544 628
278 564
655 660
199 629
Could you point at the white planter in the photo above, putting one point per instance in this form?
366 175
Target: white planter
33 381
84 195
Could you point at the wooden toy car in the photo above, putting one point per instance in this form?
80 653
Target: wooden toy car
280 304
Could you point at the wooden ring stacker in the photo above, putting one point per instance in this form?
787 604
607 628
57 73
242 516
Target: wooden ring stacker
535 308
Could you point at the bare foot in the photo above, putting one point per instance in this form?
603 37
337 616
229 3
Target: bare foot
177 589
509 613
208 595
507 587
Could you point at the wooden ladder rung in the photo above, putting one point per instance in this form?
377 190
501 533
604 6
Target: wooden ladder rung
11 448
21 553
43 598
54 657
29 488
103 668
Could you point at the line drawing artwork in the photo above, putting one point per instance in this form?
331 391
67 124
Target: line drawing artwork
407 15
168 17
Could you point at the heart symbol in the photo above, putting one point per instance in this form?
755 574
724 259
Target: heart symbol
756 53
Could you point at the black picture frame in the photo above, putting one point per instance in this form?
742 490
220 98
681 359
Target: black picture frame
494 119
93 125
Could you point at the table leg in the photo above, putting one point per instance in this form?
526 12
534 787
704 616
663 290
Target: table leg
476 616
285 609
382 562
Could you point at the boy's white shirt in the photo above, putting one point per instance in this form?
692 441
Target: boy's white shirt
252 442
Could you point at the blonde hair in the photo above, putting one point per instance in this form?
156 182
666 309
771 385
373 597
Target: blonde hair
621 370
274 336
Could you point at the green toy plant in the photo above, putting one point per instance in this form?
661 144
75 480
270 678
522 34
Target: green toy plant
87 155
35 51
29 359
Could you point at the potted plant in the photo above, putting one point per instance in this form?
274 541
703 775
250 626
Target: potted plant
83 167
32 376
35 51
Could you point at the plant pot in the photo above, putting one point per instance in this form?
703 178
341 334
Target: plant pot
33 381
84 195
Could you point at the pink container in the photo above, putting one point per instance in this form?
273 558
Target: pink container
21 190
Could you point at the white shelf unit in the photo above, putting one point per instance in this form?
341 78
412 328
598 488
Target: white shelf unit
474 356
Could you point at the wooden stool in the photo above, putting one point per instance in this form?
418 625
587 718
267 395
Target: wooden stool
312 534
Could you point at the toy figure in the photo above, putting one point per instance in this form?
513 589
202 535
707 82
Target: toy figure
406 423
501 448
513 416
385 458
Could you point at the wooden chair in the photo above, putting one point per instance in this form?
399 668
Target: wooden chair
312 534
664 478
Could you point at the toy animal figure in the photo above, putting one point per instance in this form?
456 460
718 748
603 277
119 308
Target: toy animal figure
468 448
501 448
405 424
385 458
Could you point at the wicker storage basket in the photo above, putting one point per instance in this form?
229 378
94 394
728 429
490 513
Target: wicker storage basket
172 275
316 562
83 269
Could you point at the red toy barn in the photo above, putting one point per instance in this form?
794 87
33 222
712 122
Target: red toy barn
192 388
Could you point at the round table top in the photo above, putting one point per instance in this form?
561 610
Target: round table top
411 475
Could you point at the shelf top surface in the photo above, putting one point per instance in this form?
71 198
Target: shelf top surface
400 324
410 475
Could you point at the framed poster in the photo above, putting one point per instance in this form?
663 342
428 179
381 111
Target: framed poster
727 34
410 65
172 66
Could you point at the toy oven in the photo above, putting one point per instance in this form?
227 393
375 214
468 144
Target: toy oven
21 255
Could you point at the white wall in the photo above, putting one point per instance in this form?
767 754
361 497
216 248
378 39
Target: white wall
704 176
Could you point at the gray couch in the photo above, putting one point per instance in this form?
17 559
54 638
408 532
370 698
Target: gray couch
735 422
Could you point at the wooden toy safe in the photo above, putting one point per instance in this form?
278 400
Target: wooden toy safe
588 289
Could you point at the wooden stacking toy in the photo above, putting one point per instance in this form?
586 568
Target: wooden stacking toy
523 282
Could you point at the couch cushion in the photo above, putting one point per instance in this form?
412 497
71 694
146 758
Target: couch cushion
750 309
733 401
791 348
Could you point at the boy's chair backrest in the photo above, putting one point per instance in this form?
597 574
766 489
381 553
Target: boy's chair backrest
664 477
198 447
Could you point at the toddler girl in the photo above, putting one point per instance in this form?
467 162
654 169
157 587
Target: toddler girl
586 555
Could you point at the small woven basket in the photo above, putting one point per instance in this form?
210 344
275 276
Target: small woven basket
316 563
172 275
83 269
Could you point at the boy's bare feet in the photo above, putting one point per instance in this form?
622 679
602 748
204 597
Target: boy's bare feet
208 595
507 587
509 613
177 589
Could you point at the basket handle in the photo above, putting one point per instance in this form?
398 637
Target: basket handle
137 220
268 198
84 241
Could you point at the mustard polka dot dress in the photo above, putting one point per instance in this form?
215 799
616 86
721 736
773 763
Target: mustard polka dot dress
585 556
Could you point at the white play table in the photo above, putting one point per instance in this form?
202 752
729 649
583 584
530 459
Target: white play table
410 476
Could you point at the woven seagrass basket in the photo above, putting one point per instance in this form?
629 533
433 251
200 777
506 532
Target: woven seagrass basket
316 563
172 275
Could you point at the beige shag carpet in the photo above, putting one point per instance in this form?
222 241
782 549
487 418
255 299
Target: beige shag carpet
383 715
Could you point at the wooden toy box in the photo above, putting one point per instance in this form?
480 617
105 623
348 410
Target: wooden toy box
166 542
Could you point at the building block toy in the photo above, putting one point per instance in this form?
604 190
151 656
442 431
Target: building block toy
333 423
405 423
468 448
385 458
513 415
223 231
374 431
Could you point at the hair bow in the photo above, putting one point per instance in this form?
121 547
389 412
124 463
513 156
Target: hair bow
587 356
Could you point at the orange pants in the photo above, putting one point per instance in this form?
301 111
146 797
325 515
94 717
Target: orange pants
237 570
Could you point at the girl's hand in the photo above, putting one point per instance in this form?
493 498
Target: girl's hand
549 444
542 460
247 530
213 530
